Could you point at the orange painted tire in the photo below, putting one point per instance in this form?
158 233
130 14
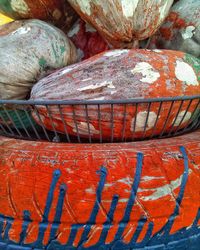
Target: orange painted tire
139 195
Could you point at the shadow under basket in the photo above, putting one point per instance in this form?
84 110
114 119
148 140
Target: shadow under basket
99 121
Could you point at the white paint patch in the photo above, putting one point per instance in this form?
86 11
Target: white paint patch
141 120
22 31
150 178
120 200
19 6
67 69
109 185
157 50
180 117
188 32
184 72
128 7
97 86
74 31
162 191
90 191
99 98
84 6
89 28
165 8
128 181
83 128
116 52
148 72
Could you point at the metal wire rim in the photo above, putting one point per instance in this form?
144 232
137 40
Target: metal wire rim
17 128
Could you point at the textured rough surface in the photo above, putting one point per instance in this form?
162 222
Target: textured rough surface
181 30
28 50
140 195
87 40
120 74
122 21
57 11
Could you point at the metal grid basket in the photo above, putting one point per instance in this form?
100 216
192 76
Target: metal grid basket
99 121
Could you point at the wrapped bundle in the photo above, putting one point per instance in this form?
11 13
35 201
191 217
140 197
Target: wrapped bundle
121 22
120 74
28 50
87 40
59 12
181 30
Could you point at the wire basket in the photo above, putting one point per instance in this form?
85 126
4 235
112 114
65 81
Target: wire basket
99 121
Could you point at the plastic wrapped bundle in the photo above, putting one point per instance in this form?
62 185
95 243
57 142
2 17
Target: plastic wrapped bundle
28 51
59 12
181 30
121 22
120 74
87 40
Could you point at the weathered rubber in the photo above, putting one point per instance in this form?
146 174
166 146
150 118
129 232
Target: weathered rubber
140 195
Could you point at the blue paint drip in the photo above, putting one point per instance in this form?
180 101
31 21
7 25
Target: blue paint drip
58 213
161 238
132 197
108 223
26 222
195 223
44 224
56 176
9 222
164 232
2 218
92 219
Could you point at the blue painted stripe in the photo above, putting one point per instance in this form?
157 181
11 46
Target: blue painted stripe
58 213
26 222
165 231
132 197
44 224
56 176
92 219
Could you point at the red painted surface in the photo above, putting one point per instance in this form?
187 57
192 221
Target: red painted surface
26 170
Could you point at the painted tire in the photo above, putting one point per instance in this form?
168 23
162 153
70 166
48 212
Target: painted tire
140 195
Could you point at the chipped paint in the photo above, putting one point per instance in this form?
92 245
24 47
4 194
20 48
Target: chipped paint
83 128
116 52
162 191
98 86
141 120
21 31
129 7
149 74
188 32
186 115
184 72
164 9
85 6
